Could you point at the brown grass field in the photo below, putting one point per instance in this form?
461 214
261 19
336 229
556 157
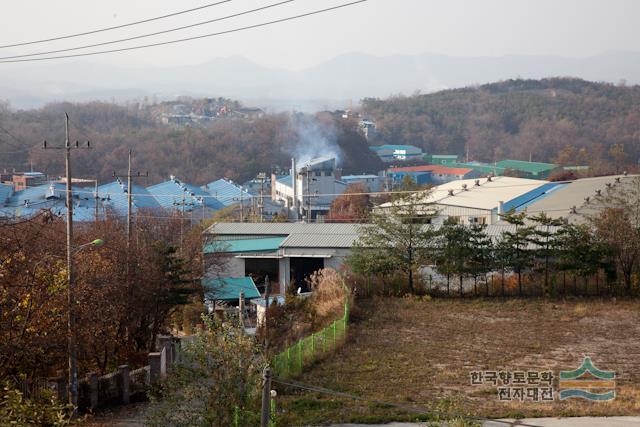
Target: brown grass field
420 353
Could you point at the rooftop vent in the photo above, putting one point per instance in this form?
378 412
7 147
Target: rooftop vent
477 183
451 192
573 210
617 179
625 173
586 199
464 187
489 178
598 192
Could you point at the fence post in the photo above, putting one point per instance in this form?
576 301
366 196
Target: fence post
313 346
266 392
93 390
236 416
165 343
300 355
288 360
334 335
124 383
154 367
61 388
177 349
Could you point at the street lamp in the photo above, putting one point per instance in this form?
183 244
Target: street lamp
71 325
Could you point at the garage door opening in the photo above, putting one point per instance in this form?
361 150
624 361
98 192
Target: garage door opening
302 268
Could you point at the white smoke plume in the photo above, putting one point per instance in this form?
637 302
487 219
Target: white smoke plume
315 139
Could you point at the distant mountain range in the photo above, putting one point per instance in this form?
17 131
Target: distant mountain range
332 84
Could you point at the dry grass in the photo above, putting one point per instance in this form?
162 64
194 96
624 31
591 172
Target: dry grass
329 293
420 352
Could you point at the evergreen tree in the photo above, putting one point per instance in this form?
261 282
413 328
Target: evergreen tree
481 260
398 239
514 245
547 242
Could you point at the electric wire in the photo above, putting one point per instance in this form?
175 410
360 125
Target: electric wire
422 411
203 36
235 15
115 27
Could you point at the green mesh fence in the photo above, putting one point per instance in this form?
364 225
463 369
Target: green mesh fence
291 361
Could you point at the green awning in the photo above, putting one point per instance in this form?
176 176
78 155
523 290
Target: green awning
267 244
228 289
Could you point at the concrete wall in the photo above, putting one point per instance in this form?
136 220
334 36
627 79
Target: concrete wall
234 268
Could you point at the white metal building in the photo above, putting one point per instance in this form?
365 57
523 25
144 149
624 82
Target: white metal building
480 201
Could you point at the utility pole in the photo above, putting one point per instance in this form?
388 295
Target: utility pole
184 200
241 206
262 178
96 199
266 374
266 314
308 198
130 176
72 350
129 200
241 200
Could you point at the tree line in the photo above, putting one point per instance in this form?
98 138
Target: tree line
532 255
559 120
199 153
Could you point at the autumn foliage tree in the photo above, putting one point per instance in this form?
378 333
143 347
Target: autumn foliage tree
124 296
354 205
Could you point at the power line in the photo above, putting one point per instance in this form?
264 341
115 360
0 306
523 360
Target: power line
219 33
307 387
13 136
115 27
235 15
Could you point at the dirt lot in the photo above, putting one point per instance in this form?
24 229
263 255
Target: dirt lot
420 353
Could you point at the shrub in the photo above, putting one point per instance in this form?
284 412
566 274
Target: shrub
215 382
46 411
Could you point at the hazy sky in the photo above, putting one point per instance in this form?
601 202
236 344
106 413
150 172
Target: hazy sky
574 28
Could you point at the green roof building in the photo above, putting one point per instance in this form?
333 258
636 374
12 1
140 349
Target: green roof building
441 159
535 170
519 168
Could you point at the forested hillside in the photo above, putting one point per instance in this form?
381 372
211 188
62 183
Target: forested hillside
569 121
236 149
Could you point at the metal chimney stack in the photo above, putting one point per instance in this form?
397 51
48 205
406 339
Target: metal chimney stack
294 183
